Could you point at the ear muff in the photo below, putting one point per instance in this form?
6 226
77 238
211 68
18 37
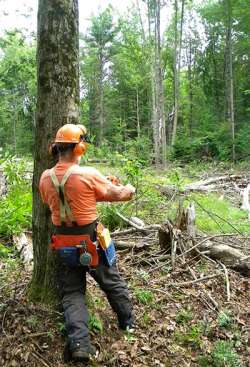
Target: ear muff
80 149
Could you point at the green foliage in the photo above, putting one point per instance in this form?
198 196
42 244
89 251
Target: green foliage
225 319
95 324
16 206
62 328
222 355
17 90
217 215
4 251
108 216
143 296
146 319
184 316
191 337
32 322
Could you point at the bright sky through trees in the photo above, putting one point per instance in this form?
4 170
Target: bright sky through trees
22 13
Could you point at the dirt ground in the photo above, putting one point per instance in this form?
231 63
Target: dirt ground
176 325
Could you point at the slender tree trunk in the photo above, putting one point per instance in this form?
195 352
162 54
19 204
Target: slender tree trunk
138 114
174 128
153 76
57 104
177 67
160 92
157 95
100 100
190 92
229 79
14 117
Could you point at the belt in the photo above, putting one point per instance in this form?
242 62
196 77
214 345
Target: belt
89 229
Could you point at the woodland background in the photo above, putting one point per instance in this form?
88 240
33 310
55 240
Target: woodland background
195 78
164 93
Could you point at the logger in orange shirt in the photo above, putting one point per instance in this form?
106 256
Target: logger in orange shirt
71 192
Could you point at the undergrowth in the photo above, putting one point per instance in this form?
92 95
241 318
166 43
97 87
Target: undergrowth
16 206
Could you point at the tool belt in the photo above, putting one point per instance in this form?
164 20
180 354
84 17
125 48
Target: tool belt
84 245
76 250
76 245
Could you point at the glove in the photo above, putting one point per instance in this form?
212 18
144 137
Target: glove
114 180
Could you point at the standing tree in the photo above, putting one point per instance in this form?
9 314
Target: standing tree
57 104
99 48
157 96
177 65
229 73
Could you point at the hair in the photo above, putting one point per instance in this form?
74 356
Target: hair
62 148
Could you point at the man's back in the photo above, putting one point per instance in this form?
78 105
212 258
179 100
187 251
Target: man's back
84 187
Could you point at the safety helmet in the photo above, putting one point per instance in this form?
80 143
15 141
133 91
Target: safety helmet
71 134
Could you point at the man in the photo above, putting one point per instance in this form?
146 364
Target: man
71 192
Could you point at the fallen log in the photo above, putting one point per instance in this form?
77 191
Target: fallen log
228 255
209 185
180 239
213 180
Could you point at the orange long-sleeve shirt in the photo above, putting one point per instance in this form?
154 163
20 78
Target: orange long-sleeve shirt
83 189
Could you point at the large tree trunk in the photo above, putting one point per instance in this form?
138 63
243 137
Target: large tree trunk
57 104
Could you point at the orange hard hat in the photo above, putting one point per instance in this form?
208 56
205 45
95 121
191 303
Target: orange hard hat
70 133
73 134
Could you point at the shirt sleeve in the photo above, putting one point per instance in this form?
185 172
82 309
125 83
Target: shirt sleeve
104 189
101 186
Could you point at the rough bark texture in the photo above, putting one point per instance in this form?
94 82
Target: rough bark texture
57 104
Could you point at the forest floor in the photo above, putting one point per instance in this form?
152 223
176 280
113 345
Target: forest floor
176 323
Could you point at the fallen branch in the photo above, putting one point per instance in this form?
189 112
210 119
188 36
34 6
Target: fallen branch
203 184
143 229
227 281
198 280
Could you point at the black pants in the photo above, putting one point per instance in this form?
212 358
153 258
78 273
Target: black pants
72 284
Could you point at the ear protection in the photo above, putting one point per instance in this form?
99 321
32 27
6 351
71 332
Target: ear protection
82 146
80 149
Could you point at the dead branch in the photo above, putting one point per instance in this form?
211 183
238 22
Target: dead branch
227 281
198 280
203 184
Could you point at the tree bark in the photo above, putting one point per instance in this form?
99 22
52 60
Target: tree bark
229 78
157 94
160 92
100 100
177 67
190 91
57 104
138 114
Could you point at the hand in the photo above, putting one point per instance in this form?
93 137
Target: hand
115 180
